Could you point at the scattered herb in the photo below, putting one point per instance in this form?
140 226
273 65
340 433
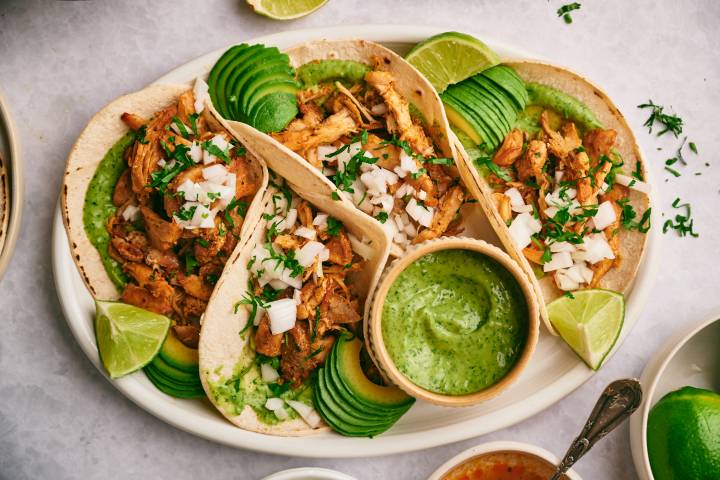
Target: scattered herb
190 264
182 129
179 162
682 224
569 295
498 171
185 213
193 122
140 134
381 217
670 123
565 10
693 147
440 161
214 150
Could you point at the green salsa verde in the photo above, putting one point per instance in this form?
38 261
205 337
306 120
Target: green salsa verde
98 207
455 321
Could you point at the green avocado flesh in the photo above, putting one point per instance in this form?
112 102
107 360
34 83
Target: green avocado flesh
348 401
565 105
174 370
255 84
455 322
314 73
486 106
98 207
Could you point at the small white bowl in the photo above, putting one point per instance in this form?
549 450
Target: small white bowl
690 358
309 473
493 447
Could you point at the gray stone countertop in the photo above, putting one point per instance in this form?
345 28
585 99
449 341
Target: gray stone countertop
62 61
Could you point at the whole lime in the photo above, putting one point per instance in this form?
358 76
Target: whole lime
683 435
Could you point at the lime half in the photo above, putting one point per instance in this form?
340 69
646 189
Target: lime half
590 323
451 57
285 9
128 337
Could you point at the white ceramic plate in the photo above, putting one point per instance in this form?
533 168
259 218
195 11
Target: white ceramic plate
691 357
11 176
553 373
309 473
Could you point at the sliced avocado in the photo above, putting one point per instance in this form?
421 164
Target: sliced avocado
273 112
500 100
350 373
489 133
240 75
566 105
467 126
230 64
335 423
171 389
350 402
342 412
255 84
481 107
489 103
267 61
506 79
178 355
287 86
215 74
175 374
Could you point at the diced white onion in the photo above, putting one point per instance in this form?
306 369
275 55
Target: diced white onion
196 154
307 413
408 163
574 274
595 247
282 314
522 228
404 189
605 216
269 375
305 232
562 247
203 217
360 247
297 296
557 261
585 271
281 414
522 208
307 253
320 220
633 183
550 212
400 237
131 213
214 171
422 195
421 214
200 92
564 282
515 197
386 202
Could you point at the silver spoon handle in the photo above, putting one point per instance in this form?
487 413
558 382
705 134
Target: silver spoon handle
616 403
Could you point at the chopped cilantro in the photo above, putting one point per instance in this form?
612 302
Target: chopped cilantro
193 122
569 295
185 213
181 127
333 226
693 147
440 161
498 171
382 217
670 123
565 10
190 264
682 224
179 162
214 150
140 134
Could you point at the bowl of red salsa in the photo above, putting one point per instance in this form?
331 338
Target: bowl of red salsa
501 461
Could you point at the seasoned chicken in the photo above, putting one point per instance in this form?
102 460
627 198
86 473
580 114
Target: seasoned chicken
340 249
398 107
530 166
265 342
140 297
510 150
502 204
450 203
162 234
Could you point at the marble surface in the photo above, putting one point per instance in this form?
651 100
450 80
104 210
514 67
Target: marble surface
61 61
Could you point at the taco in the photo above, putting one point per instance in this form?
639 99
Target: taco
300 281
565 192
154 202
375 127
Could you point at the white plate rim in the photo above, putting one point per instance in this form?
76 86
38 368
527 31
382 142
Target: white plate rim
343 447
649 379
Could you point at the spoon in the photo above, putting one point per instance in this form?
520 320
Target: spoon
616 403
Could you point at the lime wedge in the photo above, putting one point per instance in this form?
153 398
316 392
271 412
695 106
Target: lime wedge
590 323
128 337
285 9
451 57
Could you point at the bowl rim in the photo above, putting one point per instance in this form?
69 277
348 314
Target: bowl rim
377 344
301 473
499 446
654 370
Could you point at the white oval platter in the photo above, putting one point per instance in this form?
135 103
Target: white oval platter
553 373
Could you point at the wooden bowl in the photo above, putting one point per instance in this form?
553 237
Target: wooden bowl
376 343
